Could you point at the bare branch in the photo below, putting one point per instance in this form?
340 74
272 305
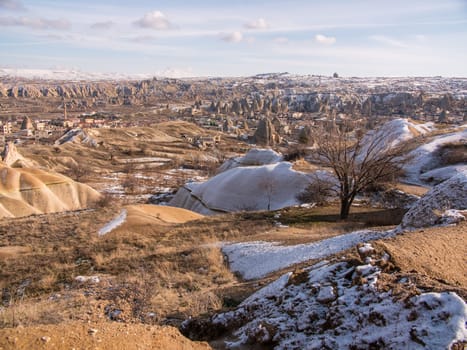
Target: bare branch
358 160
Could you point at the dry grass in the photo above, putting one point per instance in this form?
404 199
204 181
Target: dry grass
156 268
412 189
155 273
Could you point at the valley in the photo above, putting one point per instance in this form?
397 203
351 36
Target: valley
208 213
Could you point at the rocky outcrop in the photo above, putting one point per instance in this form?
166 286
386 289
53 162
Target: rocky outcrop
432 207
228 125
265 134
12 158
26 190
79 136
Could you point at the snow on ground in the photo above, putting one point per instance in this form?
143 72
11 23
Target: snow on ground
257 259
338 306
111 225
162 161
77 135
265 187
393 133
255 156
424 159
439 175
67 75
428 211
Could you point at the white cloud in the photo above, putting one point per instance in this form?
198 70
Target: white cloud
11 5
325 40
34 23
103 25
388 41
259 23
154 20
234 37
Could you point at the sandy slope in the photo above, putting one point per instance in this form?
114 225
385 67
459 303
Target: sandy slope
109 336
160 214
440 253
135 217
26 191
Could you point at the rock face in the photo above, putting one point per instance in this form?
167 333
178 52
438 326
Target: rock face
430 209
228 125
12 158
266 134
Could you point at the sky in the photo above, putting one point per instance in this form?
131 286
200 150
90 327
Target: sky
237 37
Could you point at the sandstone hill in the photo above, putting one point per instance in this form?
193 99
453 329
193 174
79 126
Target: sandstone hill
26 190
137 218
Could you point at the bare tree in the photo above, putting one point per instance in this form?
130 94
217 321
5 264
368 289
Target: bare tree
358 160
269 187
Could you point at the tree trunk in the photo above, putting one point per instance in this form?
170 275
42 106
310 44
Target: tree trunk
345 207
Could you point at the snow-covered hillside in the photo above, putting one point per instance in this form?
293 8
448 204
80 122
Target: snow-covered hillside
425 165
395 132
338 305
256 187
255 156
77 135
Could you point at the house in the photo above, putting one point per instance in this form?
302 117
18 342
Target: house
7 128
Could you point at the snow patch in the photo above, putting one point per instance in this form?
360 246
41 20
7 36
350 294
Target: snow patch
257 259
85 279
111 225
439 175
393 133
